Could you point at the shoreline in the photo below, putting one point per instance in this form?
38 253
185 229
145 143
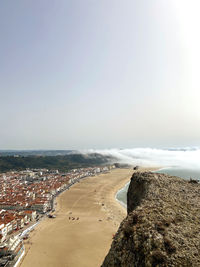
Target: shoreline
153 169
86 212
118 192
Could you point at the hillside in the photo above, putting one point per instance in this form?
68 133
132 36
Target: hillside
62 163
162 227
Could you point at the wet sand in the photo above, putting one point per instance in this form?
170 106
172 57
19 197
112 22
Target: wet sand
85 240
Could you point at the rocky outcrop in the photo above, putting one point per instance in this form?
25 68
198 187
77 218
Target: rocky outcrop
162 227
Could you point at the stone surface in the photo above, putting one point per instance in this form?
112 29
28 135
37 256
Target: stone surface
162 227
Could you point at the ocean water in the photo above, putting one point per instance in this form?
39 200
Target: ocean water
121 195
183 173
183 161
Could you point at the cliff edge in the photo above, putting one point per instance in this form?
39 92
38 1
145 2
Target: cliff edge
162 227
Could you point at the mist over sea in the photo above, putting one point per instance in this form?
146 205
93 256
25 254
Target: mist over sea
187 157
182 162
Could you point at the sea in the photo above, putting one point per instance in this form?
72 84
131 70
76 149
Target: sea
180 161
121 195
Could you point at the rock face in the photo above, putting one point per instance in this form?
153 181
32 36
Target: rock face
162 227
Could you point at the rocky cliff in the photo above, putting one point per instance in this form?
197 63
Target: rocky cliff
162 227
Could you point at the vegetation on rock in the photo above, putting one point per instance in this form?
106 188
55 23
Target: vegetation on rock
162 227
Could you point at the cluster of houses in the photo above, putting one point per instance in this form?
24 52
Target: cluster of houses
26 194
11 221
11 245
30 190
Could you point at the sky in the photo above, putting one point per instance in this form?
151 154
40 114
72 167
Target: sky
87 74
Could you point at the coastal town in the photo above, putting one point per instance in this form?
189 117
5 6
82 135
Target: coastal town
28 196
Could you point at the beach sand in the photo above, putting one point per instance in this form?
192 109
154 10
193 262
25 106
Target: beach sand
84 241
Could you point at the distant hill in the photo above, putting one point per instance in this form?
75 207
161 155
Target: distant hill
26 153
61 162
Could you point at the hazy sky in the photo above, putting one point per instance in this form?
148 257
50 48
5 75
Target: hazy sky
99 73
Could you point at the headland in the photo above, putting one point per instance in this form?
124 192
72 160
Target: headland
162 226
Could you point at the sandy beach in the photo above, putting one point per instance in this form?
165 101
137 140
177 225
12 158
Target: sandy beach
87 217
